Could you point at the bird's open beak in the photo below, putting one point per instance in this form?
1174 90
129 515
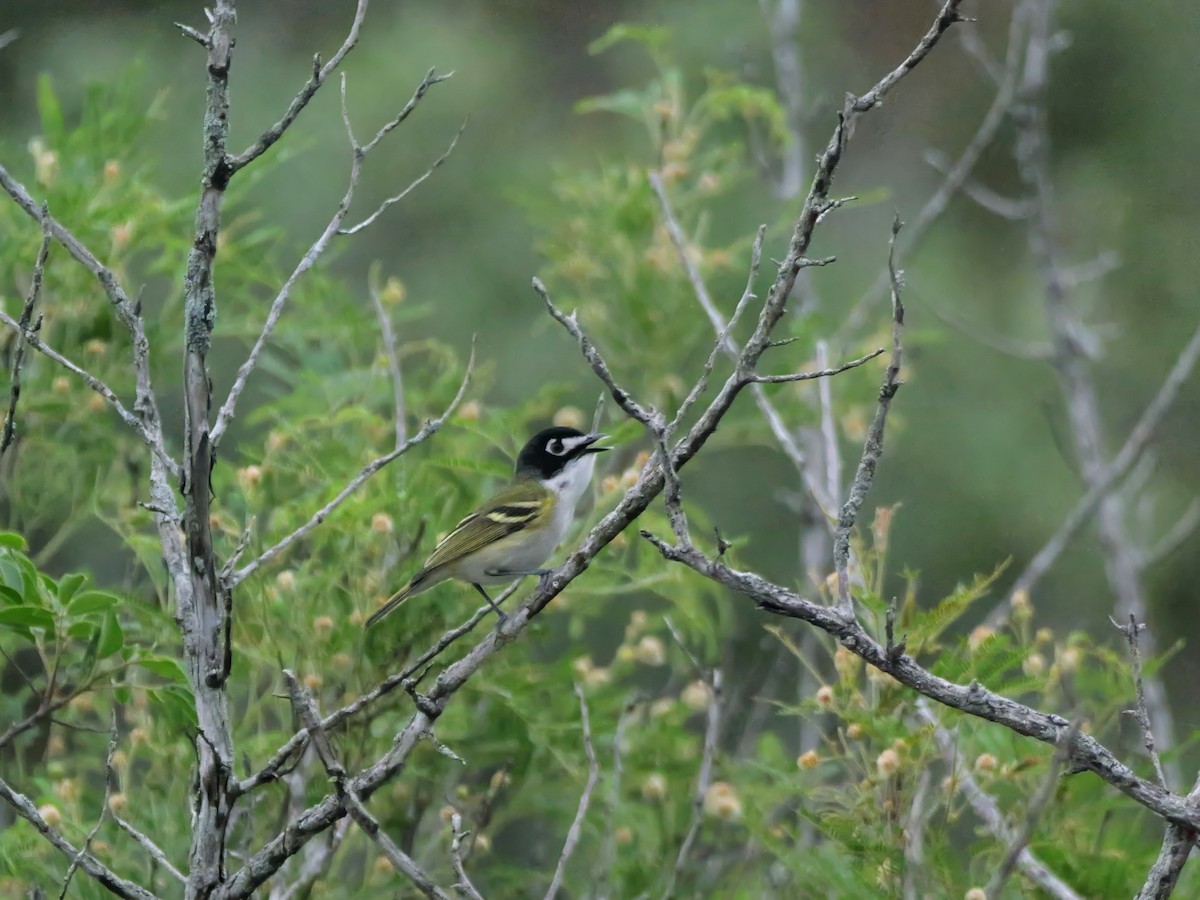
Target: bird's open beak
590 443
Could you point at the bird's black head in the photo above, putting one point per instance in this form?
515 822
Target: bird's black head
550 451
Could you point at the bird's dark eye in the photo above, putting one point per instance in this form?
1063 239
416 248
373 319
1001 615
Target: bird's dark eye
556 447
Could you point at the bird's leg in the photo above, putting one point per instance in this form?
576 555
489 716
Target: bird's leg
492 603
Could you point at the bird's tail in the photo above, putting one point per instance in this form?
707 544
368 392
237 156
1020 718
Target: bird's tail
419 583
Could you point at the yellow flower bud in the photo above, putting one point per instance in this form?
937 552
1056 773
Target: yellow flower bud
49 812
888 763
650 651
824 696
654 787
808 760
322 625
721 801
381 523
985 762
697 696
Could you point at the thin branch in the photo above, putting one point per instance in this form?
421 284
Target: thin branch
388 335
1174 537
957 174
864 477
270 771
703 780
26 324
1140 712
988 810
90 865
109 778
306 711
914 837
1033 813
31 338
584 799
648 417
464 885
1139 438
150 847
392 201
608 850
429 429
973 699
819 373
320 75
315 251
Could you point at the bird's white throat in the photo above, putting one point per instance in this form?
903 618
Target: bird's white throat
569 484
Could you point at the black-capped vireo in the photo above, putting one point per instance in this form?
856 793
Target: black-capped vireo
515 531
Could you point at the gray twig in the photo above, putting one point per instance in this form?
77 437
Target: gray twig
26 325
109 778
873 446
150 847
703 780
391 201
90 865
457 849
584 799
306 711
1033 813
1140 712
430 428
388 334
320 74
988 810
314 253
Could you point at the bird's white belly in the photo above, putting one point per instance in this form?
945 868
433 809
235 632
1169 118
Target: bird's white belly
516 553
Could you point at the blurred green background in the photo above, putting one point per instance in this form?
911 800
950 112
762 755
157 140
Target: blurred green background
978 455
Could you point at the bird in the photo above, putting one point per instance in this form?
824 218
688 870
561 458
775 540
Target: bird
515 531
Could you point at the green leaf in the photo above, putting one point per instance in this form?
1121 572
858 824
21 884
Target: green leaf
49 110
27 616
165 666
83 630
176 706
649 36
112 637
8 595
92 601
12 540
69 585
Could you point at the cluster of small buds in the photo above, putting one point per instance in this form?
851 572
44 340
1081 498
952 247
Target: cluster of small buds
381 523
249 477
888 763
808 760
569 417
697 696
654 787
824 696
985 762
721 801
650 651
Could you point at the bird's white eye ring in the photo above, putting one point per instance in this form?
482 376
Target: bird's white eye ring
556 446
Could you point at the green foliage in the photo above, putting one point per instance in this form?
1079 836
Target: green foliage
775 822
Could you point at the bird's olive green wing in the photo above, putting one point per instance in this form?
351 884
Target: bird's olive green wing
516 507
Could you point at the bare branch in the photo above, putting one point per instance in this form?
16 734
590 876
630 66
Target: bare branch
914 837
584 799
464 885
703 780
1173 539
1139 438
947 17
873 446
973 699
988 810
31 338
1033 812
150 847
315 251
1140 712
391 201
429 429
270 771
109 778
90 865
388 334
306 711
648 417
320 75
26 324
820 373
